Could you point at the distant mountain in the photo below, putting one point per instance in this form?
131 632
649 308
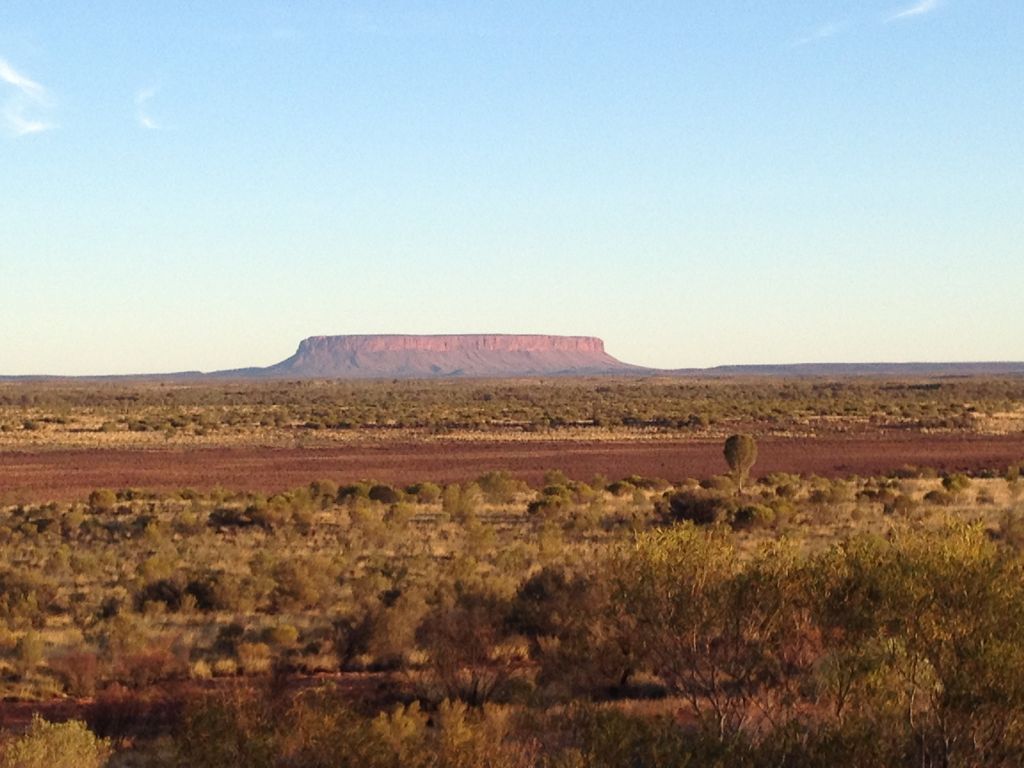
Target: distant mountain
421 357
500 355
929 370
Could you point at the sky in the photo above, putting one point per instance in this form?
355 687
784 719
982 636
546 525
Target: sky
198 186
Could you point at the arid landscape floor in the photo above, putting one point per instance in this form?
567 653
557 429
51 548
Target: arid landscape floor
65 474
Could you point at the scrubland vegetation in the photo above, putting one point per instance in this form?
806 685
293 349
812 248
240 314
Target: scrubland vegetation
782 620
738 619
217 411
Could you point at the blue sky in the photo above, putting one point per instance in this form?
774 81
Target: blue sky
200 185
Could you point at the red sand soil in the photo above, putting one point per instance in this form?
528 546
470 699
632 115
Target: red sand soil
70 474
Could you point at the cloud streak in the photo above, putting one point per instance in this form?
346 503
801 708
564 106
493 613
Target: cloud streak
825 31
26 96
142 98
918 9
21 125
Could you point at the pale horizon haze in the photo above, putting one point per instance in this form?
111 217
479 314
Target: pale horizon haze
199 186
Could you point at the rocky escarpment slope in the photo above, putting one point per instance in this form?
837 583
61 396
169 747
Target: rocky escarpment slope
408 356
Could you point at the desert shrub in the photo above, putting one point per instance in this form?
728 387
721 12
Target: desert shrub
714 630
499 487
647 483
56 745
318 730
553 501
102 501
621 488
399 516
300 584
783 510
461 637
608 738
254 658
753 516
233 517
281 635
271 513
1011 529
169 592
25 596
719 483
696 507
545 602
385 494
118 712
352 491
155 662
939 497
120 634
78 671
556 477
783 484
350 637
425 493
593 650
28 653
394 624
477 739
219 591
462 504
956 482
903 505
223 731
924 637
325 492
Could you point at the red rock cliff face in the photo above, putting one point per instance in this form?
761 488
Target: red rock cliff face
382 356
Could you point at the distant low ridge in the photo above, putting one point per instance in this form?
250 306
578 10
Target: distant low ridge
506 355
437 356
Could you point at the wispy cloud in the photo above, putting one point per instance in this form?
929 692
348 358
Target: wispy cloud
27 86
21 125
25 97
917 9
827 30
142 99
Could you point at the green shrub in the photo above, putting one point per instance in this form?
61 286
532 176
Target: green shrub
56 745
102 501
28 653
281 636
940 498
697 507
385 494
500 487
753 516
425 493
957 482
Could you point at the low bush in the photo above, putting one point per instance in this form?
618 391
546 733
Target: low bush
56 745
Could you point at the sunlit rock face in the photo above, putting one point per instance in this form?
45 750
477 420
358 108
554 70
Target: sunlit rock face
466 355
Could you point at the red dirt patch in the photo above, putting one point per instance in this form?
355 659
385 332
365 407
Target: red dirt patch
70 474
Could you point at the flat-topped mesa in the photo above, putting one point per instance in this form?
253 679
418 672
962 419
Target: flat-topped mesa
464 342
428 356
